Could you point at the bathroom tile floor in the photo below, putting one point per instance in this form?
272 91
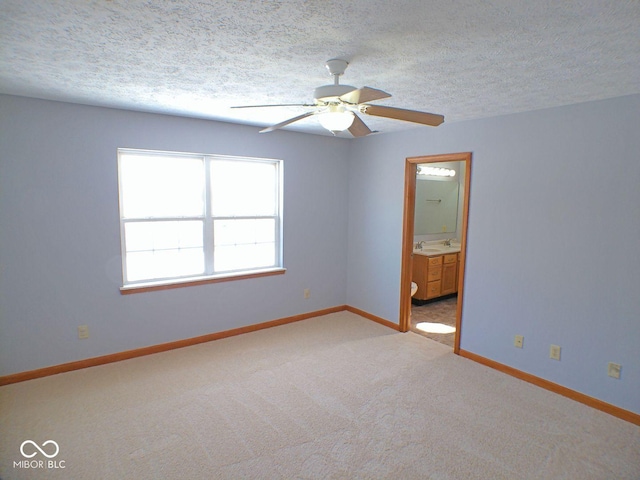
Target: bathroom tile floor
438 312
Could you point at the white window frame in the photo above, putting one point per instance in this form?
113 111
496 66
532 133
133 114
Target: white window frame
207 217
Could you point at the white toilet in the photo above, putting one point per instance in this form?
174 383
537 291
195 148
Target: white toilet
414 288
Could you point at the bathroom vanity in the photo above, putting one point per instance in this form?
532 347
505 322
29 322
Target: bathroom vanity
435 271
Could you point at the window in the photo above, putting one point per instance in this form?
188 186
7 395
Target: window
187 217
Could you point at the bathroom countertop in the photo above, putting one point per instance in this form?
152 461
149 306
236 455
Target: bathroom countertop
435 250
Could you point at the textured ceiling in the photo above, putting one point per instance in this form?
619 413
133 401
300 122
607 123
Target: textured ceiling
461 58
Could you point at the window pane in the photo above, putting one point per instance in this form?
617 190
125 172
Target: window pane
241 257
140 236
241 188
164 249
161 186
164 264
244 244
245 231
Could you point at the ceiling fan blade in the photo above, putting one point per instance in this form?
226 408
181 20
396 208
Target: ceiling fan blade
363 95
358 127
414 116
278 105
287 122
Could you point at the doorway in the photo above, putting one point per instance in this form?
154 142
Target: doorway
411 170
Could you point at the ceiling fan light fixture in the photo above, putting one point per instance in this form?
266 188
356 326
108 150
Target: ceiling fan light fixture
336 120
436 171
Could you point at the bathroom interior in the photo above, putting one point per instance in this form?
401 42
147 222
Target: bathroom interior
436 249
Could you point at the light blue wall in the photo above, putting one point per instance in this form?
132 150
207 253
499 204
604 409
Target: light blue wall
554 226
553 231
60 244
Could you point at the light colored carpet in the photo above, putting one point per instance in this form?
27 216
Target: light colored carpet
331 397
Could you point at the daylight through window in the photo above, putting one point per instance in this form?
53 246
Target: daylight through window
185 216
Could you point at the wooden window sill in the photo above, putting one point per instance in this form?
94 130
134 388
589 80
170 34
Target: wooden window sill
191 282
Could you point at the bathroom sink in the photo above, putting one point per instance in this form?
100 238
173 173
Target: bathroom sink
437 249
431 250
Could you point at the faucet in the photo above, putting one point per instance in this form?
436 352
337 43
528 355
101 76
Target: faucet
420 244
447 242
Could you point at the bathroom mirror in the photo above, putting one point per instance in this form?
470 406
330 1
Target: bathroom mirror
436 205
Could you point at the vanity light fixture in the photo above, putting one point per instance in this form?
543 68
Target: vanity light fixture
336 118
436 171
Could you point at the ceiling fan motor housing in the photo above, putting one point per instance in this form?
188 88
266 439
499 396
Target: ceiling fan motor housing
329 93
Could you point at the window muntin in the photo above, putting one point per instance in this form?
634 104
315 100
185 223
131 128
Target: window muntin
240 243
189 216
164 249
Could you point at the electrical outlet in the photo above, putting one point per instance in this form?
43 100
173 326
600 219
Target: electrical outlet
83 332
518 341
554 352
614 370
307 293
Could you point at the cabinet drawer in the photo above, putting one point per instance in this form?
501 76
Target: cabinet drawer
450 258
434 273
433 289
435 260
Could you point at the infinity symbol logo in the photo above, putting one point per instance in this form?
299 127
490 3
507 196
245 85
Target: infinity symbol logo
39 449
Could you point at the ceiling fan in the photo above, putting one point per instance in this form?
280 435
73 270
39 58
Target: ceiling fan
337 106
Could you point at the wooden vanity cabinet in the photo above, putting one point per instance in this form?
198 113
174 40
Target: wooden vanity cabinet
435 275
